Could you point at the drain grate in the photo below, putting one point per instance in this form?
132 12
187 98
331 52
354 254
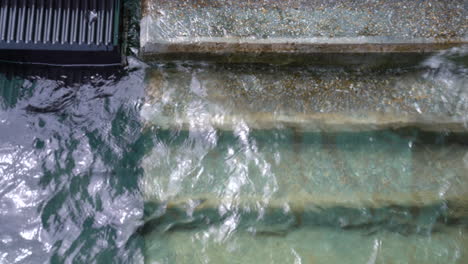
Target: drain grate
57 26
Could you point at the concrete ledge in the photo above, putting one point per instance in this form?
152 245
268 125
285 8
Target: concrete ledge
362 55
285 31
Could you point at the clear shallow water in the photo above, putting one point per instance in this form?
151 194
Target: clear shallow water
271 197
235 177
88 177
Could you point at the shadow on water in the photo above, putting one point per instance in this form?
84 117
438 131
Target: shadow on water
70 144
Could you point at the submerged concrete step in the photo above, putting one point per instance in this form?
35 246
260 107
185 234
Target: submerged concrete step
405 213
204 97
323 245
211 196
288 31
274 169
263 164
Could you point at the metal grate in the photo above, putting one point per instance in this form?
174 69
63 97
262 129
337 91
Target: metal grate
46 31
58 21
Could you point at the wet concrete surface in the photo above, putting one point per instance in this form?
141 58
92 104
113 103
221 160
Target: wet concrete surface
305 98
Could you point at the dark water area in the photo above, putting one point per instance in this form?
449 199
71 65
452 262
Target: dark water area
70 141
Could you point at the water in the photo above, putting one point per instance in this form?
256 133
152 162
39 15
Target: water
69 166
276 197
154 164
255 164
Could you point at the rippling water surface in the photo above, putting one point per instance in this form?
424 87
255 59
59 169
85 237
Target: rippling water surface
257 164
148 165
69 156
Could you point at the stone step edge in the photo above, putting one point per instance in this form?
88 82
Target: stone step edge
300 201
308 210
291 46
316 122
372 56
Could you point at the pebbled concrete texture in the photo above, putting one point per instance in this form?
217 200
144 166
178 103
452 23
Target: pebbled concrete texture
298 26
267 19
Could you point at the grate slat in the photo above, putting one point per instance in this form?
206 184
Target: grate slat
30 22
100 22
20 33
57 21
12 21
109 21
66 23
39 20
48 21
74 22
83 22
92 22
3 18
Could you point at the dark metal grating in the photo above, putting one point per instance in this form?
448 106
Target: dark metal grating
59 25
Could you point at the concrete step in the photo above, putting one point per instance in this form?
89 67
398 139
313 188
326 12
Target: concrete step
273 169
407 213
221 244
269 196
353 32
305 164
308 99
